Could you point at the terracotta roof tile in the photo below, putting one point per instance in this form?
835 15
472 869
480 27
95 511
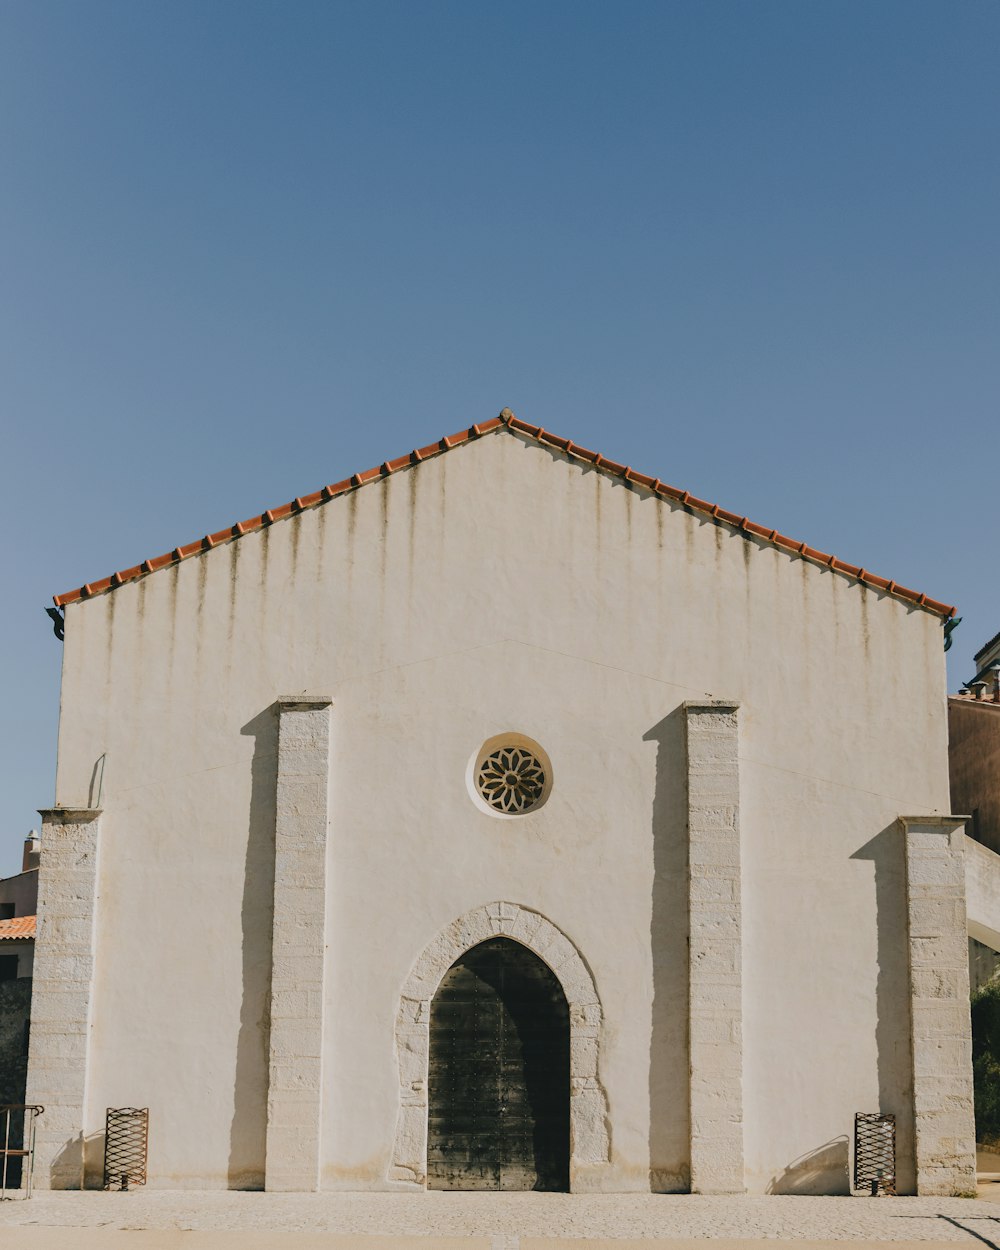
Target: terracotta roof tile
968 699
509 421
18 929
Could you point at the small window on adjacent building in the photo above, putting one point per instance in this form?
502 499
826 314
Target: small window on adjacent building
8 967
6 911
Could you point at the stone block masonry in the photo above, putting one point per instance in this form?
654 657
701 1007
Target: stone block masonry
61 992
294 1104
939 1005
715 920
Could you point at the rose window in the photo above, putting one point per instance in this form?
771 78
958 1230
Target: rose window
511 780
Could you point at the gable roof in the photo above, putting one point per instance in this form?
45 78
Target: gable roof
507 420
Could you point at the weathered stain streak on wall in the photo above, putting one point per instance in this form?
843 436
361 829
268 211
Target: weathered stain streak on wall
521 605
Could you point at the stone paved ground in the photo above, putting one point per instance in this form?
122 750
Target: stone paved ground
480 1221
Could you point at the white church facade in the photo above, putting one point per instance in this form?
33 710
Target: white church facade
502 818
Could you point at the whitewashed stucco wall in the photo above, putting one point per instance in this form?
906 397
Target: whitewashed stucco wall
501 587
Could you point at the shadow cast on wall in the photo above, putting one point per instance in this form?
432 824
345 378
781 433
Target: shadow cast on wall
80 1157
892 996
825 1170
248 1130
669 1094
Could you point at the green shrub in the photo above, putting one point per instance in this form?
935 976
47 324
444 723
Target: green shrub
986 1062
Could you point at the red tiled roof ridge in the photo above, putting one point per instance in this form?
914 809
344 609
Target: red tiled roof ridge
507 420
17 929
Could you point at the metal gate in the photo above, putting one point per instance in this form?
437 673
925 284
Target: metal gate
17 1146
498 1090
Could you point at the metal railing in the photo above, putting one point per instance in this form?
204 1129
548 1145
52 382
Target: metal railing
17 1151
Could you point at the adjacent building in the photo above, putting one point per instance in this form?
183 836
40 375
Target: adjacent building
974 762
18 896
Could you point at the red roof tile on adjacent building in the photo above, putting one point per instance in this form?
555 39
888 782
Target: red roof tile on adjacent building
568 447
18 929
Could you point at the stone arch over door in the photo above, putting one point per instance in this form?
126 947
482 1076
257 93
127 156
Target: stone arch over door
590 1144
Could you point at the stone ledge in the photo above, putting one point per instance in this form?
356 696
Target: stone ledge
69 815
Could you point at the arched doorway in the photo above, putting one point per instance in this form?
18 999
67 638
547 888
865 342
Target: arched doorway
590 1125
499 1073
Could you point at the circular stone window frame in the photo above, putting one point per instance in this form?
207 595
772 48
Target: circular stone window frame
497 743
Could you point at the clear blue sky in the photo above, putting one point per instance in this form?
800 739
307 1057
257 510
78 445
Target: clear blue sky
751 247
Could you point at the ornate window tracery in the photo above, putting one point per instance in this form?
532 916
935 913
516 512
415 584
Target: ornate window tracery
511 780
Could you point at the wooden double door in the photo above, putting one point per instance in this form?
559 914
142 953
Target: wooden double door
498 1088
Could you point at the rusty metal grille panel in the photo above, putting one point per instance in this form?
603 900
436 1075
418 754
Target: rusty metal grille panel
875 1153
125 1148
